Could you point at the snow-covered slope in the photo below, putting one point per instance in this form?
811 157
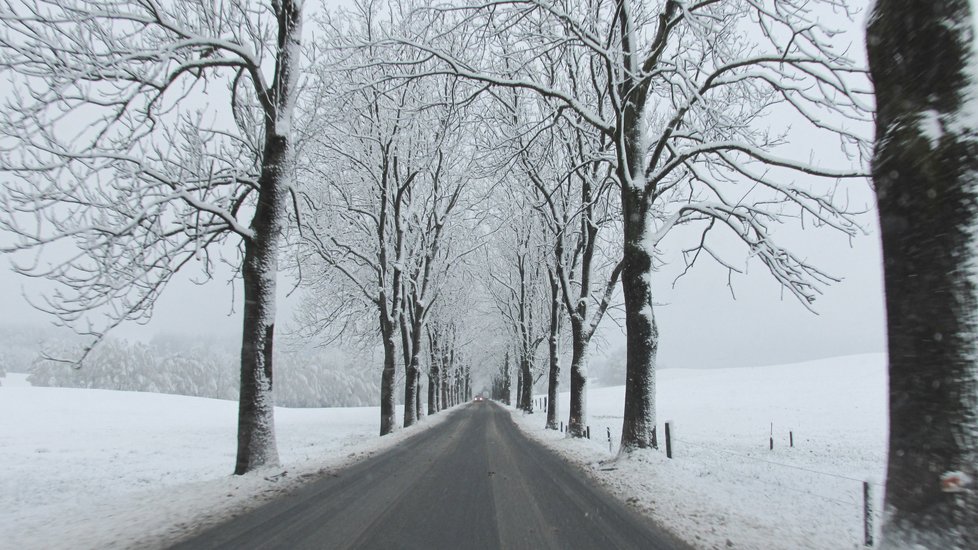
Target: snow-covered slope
104 469
107 469
724 487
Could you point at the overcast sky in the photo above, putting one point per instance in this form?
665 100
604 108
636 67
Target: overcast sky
701 325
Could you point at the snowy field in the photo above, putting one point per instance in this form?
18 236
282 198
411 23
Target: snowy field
724 487
105 469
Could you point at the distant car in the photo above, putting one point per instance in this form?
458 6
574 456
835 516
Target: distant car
479 398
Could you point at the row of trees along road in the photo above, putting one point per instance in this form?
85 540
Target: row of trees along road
419 166
670 104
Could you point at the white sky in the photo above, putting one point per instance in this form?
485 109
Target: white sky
701 326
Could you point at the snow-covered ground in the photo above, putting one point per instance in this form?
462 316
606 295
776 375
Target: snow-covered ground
103 469
724 487
106 469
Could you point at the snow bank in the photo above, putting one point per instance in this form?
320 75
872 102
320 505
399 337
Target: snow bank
107 469
724 487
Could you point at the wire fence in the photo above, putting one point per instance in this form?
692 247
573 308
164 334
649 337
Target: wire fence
860 497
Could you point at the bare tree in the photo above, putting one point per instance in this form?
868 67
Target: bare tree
391 167
689 90
516 277
572 183
926 173
106 151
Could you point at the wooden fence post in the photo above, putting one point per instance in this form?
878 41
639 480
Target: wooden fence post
867 514
668 442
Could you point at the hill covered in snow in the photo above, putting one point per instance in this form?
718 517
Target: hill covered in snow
110 469
724 482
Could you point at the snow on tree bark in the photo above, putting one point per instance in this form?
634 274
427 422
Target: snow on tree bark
553 376
577 418
923 62
387 379
701 157
642 335
256 419
142 211
641 332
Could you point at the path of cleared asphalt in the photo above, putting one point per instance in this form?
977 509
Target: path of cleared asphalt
472 482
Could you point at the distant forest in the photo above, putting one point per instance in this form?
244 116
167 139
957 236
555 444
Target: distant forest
185 365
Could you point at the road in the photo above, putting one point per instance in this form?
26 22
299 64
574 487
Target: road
473 482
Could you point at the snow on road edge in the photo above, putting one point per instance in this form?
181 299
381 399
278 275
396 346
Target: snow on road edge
103 497
725 488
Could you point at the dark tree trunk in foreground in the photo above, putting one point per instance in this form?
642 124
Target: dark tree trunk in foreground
926 175
577 419
642 334
256 420
411 392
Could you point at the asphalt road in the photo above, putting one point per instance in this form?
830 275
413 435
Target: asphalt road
472 482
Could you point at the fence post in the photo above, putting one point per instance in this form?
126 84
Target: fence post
561 426
609 441
791 439
589 432
867 514
668 442
772 436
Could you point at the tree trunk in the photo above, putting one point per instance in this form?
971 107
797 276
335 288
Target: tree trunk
642 334
412 398
458 387
445 373
642 337
527 395
507 382
417 400
387 379
410 372
434 375
256 418
519 385
926 175
433 389
256 409
577 419
553 378
410 393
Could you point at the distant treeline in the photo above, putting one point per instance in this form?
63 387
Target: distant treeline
195 367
